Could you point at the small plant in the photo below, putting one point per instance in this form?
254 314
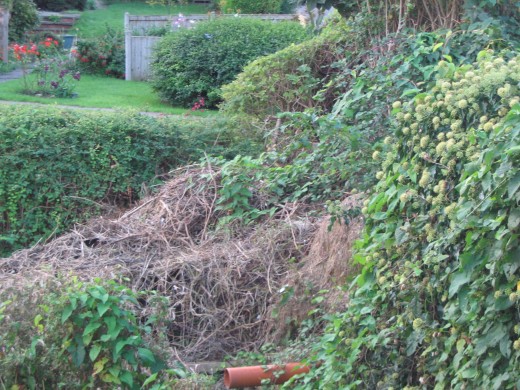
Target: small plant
104 55
52 73
71 334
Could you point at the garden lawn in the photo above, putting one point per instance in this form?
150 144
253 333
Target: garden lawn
93 23
102 92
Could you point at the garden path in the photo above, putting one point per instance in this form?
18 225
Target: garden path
13 75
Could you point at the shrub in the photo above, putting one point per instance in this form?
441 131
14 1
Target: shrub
61 5
103 55
23 18
190 64
251 6
69 334
56 167
288 80
438 299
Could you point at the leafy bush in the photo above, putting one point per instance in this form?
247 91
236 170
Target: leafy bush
103 55
288 80
61 5
23 18
56 167
195 63
69 334
251 6
437 303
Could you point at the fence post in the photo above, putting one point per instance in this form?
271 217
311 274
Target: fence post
128 48
4 34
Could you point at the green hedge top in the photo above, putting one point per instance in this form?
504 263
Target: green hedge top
55 165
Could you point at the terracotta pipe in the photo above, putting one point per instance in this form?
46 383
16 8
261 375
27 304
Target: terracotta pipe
240 377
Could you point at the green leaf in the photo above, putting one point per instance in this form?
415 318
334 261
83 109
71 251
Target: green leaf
66 313
78 355
91 327
149 380
126 377
102 308
491 338
146 355
513 185
94 352
458 280
514 219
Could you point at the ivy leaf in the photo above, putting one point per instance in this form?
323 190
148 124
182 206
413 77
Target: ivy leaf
514 219
458 281
491 339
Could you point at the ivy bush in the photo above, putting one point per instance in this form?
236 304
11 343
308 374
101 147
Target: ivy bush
437 304
56 167
23 19
195 63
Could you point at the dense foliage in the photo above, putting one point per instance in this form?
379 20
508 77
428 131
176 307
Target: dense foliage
73 334
103 55
56 167
251 6
438 299
195 63
61 5
288 80
23 19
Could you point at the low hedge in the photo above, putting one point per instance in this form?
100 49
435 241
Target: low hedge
195 63
57 167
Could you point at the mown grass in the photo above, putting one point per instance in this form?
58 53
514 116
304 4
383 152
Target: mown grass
93 23
102 92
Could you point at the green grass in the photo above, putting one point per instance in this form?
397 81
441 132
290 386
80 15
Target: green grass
93 23
102 92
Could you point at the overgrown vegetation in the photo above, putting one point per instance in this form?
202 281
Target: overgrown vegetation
58 167
195 63
69 334
23 18
437 302
417 105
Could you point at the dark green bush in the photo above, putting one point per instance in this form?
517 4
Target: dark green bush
103 55
23 19
56 166
195 63
251 6
61 5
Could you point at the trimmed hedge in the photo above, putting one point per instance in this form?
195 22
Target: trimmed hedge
195 63
56 167
251 6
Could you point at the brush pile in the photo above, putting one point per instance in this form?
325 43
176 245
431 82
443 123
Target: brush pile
220 281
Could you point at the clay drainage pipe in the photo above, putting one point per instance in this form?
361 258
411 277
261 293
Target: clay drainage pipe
240 377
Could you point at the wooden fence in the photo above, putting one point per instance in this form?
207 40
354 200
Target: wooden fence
139 44
4 34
